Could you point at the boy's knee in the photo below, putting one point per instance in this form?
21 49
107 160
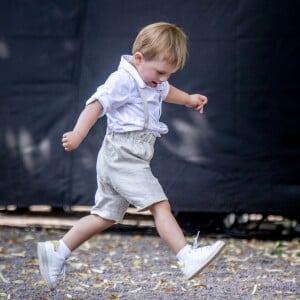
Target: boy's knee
160 207
100 221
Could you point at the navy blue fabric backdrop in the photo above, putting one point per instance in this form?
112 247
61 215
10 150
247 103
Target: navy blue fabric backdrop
242 155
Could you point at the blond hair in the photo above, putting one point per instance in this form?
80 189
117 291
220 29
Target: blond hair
162 40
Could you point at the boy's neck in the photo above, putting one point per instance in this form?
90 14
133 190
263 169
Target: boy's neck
132 63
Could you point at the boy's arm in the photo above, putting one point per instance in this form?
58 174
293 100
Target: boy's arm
195 101
88 117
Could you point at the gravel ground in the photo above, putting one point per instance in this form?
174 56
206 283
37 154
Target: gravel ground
130 265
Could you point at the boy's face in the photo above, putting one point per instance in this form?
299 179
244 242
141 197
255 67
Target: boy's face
153 71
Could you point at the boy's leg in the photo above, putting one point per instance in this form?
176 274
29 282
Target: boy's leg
84 229
193 260
167 226
52 260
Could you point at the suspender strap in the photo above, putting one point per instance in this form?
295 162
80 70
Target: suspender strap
145 104
146 111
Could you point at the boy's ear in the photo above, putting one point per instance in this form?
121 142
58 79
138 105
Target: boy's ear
137 56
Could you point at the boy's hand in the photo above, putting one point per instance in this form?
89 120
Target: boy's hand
71 140
197 102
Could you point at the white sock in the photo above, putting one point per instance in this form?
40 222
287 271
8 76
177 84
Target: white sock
63 249
182 254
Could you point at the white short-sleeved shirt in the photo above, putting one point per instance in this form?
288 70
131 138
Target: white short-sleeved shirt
123 105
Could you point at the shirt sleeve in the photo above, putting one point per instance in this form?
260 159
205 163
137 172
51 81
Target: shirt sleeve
114 93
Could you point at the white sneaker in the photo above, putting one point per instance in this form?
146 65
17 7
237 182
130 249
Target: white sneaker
199 258
52 265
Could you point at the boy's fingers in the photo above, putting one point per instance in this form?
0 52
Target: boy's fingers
204 100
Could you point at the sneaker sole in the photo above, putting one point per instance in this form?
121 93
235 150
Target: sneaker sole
211 259
43 262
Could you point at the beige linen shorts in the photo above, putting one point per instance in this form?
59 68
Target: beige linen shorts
124 175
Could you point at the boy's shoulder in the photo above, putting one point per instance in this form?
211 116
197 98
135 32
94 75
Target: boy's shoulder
121 77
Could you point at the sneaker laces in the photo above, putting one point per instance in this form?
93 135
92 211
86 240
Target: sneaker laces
195 243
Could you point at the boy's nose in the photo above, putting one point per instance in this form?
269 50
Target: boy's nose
163 78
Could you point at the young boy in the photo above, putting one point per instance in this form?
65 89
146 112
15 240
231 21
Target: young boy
131 99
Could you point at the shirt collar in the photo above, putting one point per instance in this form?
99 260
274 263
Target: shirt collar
126 65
